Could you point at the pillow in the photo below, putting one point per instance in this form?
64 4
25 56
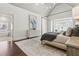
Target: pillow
61 39
64 33
75 31
69 32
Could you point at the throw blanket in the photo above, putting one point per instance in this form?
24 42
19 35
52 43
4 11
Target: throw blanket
50 36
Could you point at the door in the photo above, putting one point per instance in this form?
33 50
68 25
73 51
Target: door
5 27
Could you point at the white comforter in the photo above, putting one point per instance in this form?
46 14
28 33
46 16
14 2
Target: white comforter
61 38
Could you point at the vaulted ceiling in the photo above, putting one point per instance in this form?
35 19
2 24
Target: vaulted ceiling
46 9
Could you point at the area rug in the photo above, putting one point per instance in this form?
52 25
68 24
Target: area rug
33 47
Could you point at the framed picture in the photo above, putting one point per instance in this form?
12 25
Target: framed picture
32 22
3 26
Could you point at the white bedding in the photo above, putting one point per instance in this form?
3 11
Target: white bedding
61 39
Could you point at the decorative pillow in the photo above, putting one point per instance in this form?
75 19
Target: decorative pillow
61 39
75 31
64 33
69 32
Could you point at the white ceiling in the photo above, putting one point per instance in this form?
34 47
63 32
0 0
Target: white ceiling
61 8
46 9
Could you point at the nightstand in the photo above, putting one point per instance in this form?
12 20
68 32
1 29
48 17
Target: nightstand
73 46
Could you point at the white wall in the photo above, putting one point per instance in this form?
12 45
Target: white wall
49 25
75 14
44 25
20 18
75 11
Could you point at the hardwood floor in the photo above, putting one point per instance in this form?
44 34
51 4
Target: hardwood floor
10 49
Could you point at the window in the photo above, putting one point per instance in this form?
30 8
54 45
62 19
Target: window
60 25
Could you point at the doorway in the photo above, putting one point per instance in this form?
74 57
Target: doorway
6 27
